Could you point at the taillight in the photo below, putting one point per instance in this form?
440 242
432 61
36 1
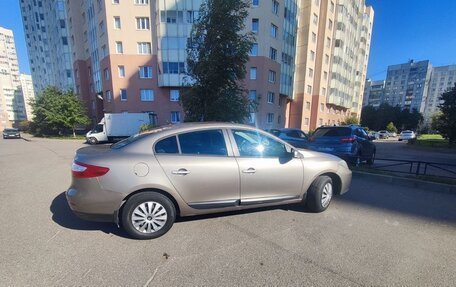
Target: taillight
82 170
347 140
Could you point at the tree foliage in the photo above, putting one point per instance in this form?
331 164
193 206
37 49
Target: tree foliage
445 121
391 127
379 118
217 52
351 120
55 111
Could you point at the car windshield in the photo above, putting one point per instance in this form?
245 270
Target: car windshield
11 130
332 132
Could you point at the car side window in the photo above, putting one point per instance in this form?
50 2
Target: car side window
209 142
167 145
254 144
361 133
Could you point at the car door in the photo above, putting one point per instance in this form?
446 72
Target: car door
367 147
268 171
201 168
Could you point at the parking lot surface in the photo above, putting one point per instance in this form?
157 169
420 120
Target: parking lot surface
376 234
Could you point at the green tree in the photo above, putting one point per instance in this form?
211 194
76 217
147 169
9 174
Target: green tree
351 120
391 127
217 52
55 110
445 122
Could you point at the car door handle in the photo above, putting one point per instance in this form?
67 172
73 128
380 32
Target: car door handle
249 170
181 171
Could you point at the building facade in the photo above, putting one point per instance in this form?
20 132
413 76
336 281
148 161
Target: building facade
373 93
332 56
28 93
12 109
442 79
407 85
46 33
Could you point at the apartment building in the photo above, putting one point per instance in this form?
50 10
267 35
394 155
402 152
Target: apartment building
130 56
12 109
46 33
333 46
442 79
373 93
407 85
28 93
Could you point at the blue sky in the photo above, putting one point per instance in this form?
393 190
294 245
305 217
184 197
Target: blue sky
403 30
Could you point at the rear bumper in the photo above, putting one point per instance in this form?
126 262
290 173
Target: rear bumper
96 217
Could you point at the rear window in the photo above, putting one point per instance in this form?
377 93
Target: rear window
332 132
128 141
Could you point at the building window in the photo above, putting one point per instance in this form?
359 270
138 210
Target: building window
119 47
147 95
328 42
270 118
274 31
253 73
279 119
144 48
117 24
174 95
173 67
172 16
280 101
312 55
326 59
273 53
142 23
271 76
309 89
330 25
121 71
123 94
275 7
145 72
108 96
252 95
115 1
311 73
106 74
325 75
254 50
331 8
323 91
255 25
314 37
315 19
175 117
252 118
255 3
270 97
141 2
306 121
320 122
104 51
322 107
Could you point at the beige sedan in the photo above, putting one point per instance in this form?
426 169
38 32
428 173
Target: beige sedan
146 181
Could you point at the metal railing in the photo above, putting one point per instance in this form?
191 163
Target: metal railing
415 167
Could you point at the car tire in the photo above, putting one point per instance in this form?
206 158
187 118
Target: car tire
371 160
320 194
400 140
148 215
92 140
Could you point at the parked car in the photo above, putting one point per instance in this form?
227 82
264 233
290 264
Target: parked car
295 137
348 142
407 135
393 134
383 134
146 181
11 133
373 135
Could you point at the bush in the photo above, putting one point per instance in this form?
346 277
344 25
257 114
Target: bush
146 127
391 128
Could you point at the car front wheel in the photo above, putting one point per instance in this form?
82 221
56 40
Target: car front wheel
320 194
148 215
92 140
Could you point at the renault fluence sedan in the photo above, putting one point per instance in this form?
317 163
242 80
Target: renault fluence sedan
144 182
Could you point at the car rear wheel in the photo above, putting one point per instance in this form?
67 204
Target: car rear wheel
320 194
148 215
372 159
92 140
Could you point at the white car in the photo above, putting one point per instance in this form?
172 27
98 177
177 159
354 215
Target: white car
407 135
383 134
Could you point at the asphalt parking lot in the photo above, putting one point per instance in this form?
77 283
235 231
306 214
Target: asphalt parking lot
375 235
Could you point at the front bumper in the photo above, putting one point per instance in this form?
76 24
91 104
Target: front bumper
15 136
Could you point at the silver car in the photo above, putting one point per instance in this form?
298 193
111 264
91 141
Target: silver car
146 181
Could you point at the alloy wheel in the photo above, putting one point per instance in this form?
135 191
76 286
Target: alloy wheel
149 217
326 195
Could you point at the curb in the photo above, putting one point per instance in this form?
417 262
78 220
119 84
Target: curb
408 182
